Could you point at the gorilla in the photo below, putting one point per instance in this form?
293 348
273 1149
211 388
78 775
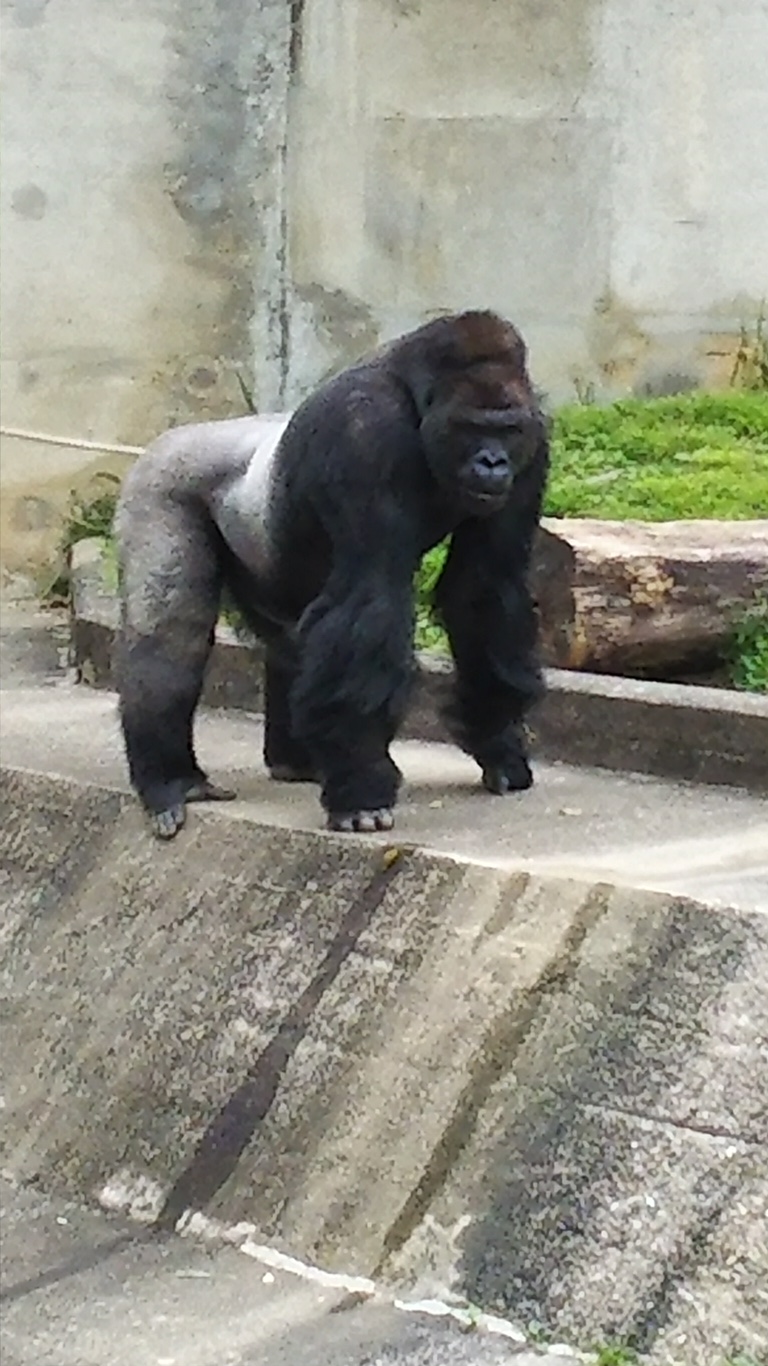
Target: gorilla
315 525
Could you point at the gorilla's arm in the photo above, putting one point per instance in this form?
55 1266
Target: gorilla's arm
484 601
356 649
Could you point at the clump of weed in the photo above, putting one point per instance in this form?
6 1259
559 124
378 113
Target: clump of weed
616 1355
91 512
750 368
748 656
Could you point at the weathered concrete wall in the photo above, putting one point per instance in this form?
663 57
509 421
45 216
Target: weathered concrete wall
204 184
594 168
142 173
251 1020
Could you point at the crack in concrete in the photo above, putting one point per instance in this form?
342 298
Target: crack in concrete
668 1122
73 1266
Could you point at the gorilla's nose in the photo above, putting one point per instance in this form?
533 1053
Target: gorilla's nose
491 467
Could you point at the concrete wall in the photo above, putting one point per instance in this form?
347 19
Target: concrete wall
206 184
594 168
544 1097
142 246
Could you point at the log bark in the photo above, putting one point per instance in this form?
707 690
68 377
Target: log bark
645 598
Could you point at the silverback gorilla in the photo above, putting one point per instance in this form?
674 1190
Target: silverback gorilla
315 527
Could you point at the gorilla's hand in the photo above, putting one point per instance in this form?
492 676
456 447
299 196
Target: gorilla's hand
514 775
505 764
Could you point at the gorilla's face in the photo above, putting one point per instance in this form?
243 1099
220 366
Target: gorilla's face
475 453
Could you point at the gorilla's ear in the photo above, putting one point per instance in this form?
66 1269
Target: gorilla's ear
541 400
423 390
420 376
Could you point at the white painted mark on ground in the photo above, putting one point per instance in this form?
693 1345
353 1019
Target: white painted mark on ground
140 1197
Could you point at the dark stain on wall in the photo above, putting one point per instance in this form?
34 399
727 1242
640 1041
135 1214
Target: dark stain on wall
295 43
206 180
28 13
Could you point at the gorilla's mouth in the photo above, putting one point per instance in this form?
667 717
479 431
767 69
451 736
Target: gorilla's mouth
487 499
493 488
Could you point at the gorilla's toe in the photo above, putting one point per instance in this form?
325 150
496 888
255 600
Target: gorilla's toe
205 791
364 822
166 824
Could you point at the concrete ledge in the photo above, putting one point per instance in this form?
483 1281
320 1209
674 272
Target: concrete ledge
707 735
544 1096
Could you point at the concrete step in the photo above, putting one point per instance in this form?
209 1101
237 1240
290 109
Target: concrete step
545 1097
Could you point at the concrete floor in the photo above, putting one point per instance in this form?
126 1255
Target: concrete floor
84 1289
707 842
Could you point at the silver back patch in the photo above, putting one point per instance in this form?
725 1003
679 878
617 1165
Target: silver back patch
243 505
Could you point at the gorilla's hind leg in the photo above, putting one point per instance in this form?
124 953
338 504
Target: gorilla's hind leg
159 691
170 590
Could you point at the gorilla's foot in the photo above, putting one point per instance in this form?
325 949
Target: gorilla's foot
165 825
514 775
288 773
166 822
364 822
203 790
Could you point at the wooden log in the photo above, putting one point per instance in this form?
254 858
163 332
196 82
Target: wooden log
644 598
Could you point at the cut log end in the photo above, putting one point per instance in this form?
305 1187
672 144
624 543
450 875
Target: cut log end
652 599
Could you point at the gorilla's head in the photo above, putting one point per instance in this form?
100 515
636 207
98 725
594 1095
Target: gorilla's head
475 448
478 432
480 424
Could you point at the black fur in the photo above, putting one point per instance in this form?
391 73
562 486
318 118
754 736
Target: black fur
438 433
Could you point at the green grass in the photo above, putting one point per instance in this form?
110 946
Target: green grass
657 460
429 636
